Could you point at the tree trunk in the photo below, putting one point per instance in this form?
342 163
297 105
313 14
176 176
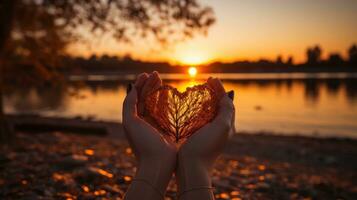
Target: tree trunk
7 10
4 129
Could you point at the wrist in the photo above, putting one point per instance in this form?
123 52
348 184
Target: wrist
156 172
192 173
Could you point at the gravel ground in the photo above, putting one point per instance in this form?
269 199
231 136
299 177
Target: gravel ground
56 165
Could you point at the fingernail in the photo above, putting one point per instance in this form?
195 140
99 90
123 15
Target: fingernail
128 88
231 94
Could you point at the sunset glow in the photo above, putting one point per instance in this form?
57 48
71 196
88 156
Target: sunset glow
192 71
251 30
193 60
191 55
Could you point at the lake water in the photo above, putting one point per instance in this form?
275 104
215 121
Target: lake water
304 104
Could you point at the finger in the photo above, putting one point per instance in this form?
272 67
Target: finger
152 80
129 105
233 127
225 113
231 94
158 81
152 83
148 84
210 84
217 86
140 81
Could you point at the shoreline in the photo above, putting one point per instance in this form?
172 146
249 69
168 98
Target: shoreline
298 149
36 123
260 166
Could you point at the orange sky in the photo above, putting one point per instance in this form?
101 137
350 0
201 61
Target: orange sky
253 29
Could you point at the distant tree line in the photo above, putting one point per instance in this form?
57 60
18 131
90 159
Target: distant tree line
314 63
109 65
334 59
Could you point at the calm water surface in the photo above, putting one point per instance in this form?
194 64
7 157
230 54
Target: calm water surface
285 104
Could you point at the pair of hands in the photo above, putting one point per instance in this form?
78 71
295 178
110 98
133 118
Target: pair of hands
159 157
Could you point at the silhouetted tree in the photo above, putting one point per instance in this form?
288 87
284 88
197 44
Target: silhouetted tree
279 60
290 61
37 32
335 59
313 55
352 54
93 58
6 21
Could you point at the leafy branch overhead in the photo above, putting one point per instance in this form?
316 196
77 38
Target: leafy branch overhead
181 114
35 34
40 31
48 26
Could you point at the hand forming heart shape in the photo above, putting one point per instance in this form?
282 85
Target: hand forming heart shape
179 115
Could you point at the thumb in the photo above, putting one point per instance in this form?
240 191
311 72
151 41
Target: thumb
130 103
225 111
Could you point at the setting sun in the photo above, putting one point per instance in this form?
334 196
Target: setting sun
192 71
193 60
188 55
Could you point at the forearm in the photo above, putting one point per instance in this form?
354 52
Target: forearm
193 180
150 181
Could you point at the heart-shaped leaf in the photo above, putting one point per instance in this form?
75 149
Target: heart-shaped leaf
179 115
